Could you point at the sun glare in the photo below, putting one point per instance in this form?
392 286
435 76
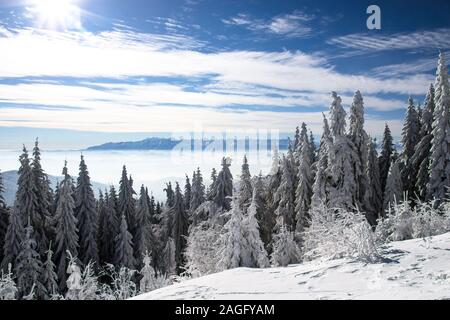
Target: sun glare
56 14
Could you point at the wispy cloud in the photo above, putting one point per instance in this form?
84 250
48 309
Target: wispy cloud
182 83
363 42
292 25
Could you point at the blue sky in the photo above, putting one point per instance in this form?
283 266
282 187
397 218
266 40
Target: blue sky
82 72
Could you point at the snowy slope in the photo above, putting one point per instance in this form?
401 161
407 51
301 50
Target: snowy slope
413 269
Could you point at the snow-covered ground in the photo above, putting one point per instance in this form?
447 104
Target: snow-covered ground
412 269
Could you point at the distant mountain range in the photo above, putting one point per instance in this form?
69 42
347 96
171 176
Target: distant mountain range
10 183
169 144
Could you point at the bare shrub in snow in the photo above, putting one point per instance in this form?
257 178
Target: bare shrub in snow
202 248
403 222
338 233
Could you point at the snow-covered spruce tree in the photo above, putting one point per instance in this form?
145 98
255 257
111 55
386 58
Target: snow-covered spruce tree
245 186
126 201
284 196
274 180
293 163
28 268
170 195
360 140
265 216
211 187
86 214
198 191
256 254
312 147
373 198
223 186
48 278
147 282
43 196
4 218
8 288
439 166
296 137
26 196
304 188
169 264
187 194
232 240
139 239
393 192
15 234
285 249
385 159
410 135
66 228
150 281
179 227
113 207
421 157
341 160
321 185
124 247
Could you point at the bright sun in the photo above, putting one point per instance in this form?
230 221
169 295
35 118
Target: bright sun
56 14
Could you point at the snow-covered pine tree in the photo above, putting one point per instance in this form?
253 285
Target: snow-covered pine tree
245 186
223 186
285 249
385 159
358 136
374 198
439 167
126 201
28 268
49 279
198 190
321 186
66 228
284 196
393 192
4 217
256 254
124 247
187 194
410 135
344 188
421 157
43 196
87 217
304 188
179 227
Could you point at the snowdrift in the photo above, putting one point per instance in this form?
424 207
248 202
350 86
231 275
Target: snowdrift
411 269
